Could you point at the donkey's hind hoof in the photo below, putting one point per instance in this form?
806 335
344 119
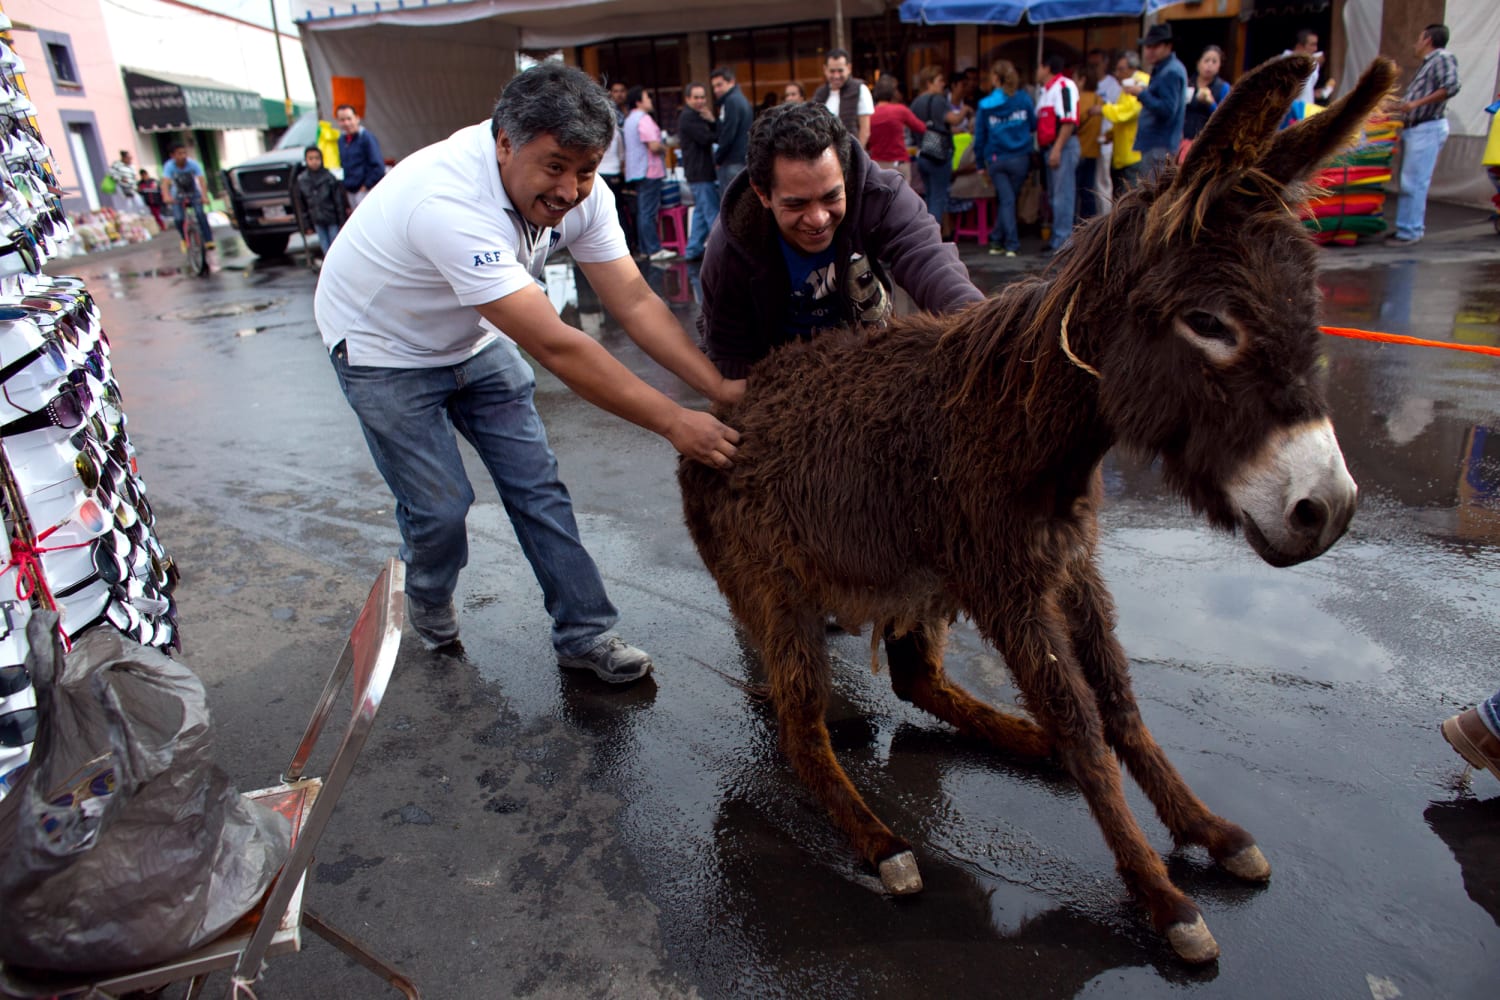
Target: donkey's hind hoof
899 875
1192 942
1248 864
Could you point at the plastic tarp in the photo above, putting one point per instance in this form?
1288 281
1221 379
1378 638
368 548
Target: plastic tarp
1010 12
430 70
1474 26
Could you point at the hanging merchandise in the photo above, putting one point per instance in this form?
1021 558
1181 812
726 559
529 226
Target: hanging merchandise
79 536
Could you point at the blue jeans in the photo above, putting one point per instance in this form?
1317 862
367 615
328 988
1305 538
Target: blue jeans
326 234
705 211
727 173
1420 146
937 178
1007 173
647 207
408 416
179 212
1061 193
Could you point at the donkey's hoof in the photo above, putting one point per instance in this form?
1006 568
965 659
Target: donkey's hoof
1192 942
899 875
1248 864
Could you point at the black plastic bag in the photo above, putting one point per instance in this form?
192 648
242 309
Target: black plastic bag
124 844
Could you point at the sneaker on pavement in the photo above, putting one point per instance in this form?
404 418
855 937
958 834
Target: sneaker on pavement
1402 241
1467 733
612 660
436 626
996 249
664 254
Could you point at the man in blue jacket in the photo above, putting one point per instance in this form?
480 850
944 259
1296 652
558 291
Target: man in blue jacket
1163 101
359 155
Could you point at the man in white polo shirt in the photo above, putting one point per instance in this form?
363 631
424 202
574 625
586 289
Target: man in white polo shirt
422 302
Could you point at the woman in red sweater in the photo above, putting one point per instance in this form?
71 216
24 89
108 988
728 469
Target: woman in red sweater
887 145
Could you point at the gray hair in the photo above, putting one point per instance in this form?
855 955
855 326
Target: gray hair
556 100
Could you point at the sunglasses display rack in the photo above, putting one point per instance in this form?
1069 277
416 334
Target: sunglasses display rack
80 536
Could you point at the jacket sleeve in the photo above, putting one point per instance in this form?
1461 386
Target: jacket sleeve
727 327
375 169
981 134
906 238
697 129
1126 109
1158 94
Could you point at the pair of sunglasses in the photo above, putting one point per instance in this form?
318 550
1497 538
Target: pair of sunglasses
14 678
68 409
18 728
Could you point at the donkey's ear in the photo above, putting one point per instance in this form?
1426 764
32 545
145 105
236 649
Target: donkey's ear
1296 153
1240 131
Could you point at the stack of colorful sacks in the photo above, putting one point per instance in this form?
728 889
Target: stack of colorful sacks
1352 201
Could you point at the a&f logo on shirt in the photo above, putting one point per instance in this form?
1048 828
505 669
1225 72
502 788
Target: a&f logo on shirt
489 257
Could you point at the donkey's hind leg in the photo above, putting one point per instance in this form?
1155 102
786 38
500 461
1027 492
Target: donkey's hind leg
796 660
917 676
1090 615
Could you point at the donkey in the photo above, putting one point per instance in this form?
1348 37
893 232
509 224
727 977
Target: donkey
900 476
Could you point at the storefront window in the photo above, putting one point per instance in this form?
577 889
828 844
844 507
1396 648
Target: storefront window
658 64
765 60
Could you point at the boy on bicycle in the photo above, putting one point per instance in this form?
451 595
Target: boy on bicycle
186 185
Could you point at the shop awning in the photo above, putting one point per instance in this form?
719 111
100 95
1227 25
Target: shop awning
162 102
275 108
1009 12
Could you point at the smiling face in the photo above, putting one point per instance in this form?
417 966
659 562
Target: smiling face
697 99
807 199
544 180
348 120
836 72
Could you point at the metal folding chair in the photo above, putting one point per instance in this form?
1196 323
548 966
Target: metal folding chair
274 928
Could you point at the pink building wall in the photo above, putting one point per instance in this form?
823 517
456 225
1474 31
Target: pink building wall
97 109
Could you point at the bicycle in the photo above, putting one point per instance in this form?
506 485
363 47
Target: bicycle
194 249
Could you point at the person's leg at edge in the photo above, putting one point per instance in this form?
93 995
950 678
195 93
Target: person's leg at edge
403 414
1063 192
648 205
705 211
1016 168
326 235
1420 147
179 216
495 411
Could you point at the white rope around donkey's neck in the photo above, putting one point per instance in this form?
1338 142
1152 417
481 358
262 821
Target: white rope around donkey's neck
241 987
1062 338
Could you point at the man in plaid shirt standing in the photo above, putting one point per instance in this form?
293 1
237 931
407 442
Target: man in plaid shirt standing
1426 130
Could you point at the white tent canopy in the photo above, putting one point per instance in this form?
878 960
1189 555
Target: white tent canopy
1475 29
434 68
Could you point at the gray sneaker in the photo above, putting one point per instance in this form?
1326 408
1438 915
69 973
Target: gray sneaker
436 626
611 660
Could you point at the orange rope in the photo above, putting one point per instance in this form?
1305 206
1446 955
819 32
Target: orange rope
1396 338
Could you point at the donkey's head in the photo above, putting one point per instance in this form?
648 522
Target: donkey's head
1208 346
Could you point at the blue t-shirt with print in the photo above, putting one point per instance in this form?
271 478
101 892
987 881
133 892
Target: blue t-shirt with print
814 305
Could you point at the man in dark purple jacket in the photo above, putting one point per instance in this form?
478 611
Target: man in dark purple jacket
810 237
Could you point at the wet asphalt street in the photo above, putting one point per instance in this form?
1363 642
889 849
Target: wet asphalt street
512 831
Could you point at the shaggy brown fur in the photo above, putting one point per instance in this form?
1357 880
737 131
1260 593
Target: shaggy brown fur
950 464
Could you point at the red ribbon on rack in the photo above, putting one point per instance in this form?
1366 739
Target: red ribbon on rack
26 559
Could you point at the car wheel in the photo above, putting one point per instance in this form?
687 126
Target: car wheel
267 246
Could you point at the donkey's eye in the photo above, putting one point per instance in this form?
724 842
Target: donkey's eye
1209 326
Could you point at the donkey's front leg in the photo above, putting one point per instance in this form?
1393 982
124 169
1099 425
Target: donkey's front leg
797 666
1091 617
1032 636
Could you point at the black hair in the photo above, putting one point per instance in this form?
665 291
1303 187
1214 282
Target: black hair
1056 64
1437 34
634 94
312 149
833 54
797 132
723 73
1304 35
556 100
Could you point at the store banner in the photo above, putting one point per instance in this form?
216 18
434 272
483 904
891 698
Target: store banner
164 103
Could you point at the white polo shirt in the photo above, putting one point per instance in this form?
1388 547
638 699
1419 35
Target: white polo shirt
435 238
864 106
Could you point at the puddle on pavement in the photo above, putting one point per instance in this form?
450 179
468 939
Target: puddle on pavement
219 310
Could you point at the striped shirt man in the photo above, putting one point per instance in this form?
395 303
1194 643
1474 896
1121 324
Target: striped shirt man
1439 72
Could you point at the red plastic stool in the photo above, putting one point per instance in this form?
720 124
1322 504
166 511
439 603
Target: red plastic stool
675 220
975 222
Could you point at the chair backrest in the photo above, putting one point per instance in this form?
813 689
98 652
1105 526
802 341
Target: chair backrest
370 657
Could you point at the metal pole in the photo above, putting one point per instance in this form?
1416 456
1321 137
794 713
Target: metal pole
838 25
286 90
